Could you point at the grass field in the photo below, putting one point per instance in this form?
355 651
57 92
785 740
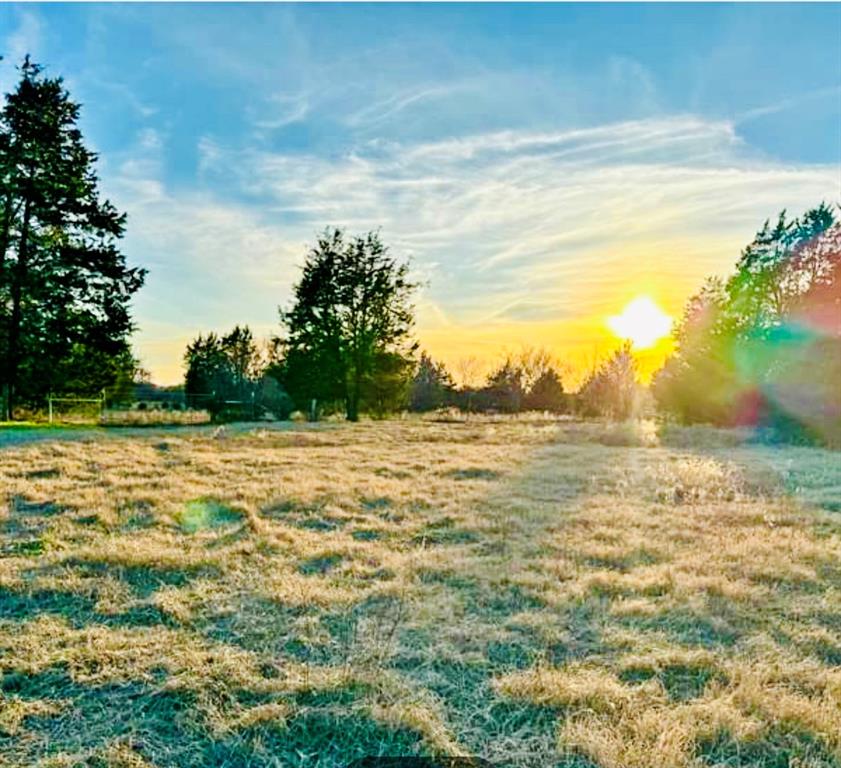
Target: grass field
539 593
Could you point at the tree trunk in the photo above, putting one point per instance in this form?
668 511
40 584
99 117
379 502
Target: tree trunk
353 404
15 320
4 245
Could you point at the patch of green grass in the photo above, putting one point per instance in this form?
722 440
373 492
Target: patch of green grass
473 473
444 535
623 563
22 548
366 534
326 739
688 628
205 514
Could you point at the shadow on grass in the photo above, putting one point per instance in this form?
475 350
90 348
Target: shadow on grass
312 515
682 682
143 580
77 609
167 726
157 720
687 627
779 748
261 626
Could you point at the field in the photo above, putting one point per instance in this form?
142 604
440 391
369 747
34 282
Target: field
535 592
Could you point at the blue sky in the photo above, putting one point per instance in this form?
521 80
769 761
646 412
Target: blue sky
540 164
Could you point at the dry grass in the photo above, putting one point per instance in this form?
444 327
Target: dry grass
149 418
537 592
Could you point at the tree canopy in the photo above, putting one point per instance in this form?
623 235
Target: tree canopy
348 333
65 288
432 385
231 374
763 347
611 390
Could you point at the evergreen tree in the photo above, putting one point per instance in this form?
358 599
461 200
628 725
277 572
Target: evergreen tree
547 393
431 386
505 388
226 368
64 286
208 377
350 320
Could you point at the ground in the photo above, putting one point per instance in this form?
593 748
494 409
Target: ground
536 592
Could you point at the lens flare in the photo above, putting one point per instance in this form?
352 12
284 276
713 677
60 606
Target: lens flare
642 323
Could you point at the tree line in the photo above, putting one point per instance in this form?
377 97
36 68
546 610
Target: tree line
347 346
761 346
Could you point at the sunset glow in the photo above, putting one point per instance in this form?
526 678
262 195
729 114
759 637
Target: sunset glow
533 202
642 323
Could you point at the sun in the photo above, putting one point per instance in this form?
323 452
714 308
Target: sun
642 323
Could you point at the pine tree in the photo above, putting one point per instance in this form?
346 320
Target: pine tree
64 286
547 393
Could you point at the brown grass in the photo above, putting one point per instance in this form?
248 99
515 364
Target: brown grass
149 418
538 592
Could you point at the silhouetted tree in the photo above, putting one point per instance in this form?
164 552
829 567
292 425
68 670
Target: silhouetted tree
547 393
207 371
350 319
244 361
228 371
612 389
542 380
64 286
469 370
504 390
432 385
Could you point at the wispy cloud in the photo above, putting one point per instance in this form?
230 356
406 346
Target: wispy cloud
395 104
783 105
282 110
511 227
535 186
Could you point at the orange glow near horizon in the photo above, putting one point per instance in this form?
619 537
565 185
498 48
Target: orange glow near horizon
579 344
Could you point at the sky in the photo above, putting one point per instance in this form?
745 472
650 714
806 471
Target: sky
540 165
